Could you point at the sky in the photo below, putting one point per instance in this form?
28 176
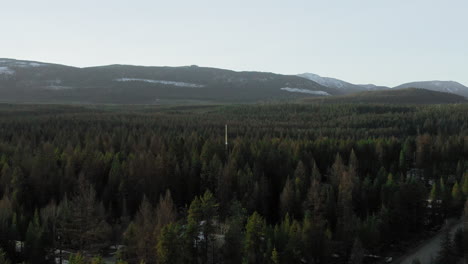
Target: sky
370 41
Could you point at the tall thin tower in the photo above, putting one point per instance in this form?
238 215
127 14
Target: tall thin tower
226 138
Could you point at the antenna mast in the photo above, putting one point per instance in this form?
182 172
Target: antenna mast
226 137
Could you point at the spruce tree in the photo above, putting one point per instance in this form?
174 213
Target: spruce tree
168 249
254 239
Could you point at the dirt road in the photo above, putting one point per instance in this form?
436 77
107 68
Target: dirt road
428 249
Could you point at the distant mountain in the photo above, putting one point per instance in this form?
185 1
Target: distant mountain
373 87
39 82
349 88
395 96
29 81
345 87
440 86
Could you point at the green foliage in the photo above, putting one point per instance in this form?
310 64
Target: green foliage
255 232
288 198
457 195
168 247
77 259
234 238
394 96
465 184
320 176
97 260
85 226
3 257
275 257
34 240
140 236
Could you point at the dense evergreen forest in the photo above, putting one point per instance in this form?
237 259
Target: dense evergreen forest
296 183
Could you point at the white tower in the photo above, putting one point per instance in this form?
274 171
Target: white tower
225 137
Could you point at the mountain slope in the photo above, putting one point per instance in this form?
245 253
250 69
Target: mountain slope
440 86
345 87
395 96
373 87
25 81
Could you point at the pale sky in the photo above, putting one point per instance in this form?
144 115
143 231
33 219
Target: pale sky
385 42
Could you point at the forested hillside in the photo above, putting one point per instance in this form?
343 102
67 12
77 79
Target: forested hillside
296 183
37 82
394 96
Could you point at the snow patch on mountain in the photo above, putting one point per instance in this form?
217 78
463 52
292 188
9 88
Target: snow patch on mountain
57 87
326 81
6 71
20 64
178 84
306 91
26 64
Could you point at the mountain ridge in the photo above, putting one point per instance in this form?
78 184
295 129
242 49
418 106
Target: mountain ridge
349 88
436 85
395 96
35 81
127 84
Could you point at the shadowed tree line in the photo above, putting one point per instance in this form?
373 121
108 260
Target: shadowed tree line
299 183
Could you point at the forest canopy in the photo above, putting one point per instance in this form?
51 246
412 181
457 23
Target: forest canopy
296 183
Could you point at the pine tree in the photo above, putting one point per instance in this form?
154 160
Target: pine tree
434 194
168 249
402 161
234 236
274 256
315 200
6 215
18 186
353 161
202 214
192 235
293 250
288 199
315 173
210 212
301 181
140 234
34 247
457 196
337 170
465 184
165 213
3 257
85 227
254 239
346 218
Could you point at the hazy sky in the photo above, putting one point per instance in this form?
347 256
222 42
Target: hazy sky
385 42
